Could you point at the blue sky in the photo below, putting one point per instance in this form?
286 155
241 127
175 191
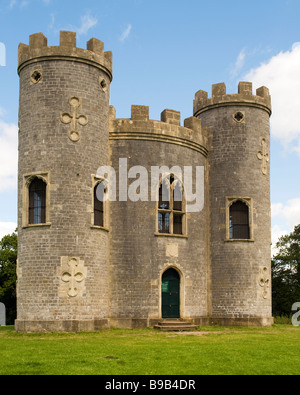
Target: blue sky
164 51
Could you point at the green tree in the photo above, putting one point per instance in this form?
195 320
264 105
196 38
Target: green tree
8 276
286 273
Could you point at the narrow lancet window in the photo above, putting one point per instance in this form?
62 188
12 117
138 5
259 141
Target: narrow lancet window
99 192
239 227
37 202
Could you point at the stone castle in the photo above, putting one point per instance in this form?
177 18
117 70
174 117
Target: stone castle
88 261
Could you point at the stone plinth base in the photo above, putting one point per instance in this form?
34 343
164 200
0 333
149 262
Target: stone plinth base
247 322
131 323
61 326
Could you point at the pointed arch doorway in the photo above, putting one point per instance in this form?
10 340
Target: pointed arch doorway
170 290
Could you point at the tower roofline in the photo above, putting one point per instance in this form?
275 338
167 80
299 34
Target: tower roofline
38 50
244 97
168 130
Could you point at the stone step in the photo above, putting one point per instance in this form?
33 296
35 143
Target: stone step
175 325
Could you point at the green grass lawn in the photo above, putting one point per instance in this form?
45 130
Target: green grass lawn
219 351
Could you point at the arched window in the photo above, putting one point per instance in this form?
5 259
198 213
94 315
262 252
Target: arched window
171 207
37 201
99 192
239 225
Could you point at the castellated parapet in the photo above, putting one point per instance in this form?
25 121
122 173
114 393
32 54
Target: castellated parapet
243 98
37 51
139 127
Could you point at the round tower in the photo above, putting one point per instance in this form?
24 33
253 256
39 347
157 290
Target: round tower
239 190
63 139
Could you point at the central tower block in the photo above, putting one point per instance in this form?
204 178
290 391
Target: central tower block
63 139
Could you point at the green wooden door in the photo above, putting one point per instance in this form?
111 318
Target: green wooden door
170 290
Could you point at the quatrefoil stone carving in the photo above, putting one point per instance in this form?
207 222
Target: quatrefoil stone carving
72 274
74 119
264 157
264 281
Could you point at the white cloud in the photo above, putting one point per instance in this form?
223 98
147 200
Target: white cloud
295 45
285 218
87 22
12 3
8 156
277 232
21 4
7 228
51 25
290 212
240 61
126 33
281 75
24 3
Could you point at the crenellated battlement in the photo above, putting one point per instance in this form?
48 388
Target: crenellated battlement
244 97
38 50
168 129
